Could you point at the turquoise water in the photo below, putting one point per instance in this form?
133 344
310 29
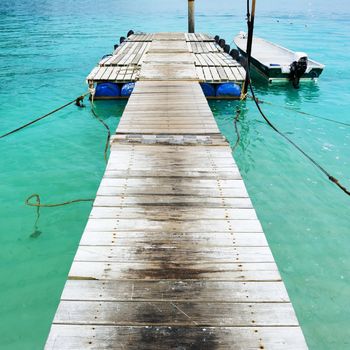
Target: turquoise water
48 47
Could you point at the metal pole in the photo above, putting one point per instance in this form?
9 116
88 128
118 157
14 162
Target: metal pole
251 18
191 16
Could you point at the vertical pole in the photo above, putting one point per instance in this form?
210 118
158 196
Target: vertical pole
191 16
251 18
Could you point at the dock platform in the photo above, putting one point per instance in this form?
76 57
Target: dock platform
209 63
173 255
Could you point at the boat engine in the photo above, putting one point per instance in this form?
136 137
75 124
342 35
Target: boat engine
298 68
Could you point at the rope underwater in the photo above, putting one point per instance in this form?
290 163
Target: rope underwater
313 161
301 112
36 232
107 128
77 101
235 122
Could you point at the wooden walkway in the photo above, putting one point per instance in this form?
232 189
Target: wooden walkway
173 255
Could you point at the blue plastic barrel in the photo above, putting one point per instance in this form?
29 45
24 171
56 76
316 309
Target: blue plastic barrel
208 89
127 89
107 90
228 90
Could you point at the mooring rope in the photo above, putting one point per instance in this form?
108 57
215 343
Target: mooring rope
107 128
77 101
301 112
235 122
313 161
38 205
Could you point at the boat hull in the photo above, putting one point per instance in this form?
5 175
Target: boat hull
275 74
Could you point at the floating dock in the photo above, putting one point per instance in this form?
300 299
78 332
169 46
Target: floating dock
197 56
173 255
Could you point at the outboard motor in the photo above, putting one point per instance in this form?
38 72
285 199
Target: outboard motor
298 68
217 38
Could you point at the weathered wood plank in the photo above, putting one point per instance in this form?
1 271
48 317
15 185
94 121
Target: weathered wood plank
152 252
167 200
68 337
205 174
177 239
175 313
196 291
167 270
174 212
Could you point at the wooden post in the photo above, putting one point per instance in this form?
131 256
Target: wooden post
251 18
191 16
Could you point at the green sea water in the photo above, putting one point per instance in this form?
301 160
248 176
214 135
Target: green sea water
46 50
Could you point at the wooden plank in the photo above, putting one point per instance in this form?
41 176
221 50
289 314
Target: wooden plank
207 74
168 270
68 337
229 73
232 174
93 73
167 72
200 74
173 254
107 73
100 73
174 212
184 201
175 313
222 73
162 291
214 74
114 74
205 239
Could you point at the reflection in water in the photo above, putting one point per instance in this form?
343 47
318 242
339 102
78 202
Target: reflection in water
225 112
309 91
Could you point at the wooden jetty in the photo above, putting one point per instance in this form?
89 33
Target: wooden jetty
173 255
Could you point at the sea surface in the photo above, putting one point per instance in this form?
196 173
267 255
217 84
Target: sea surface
48 47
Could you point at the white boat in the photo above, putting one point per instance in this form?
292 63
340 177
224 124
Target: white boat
277 63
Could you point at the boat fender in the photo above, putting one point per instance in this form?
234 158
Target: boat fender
234 54
127 89
243 62
105 56
228 90
298 69
208 89
115 46
227 48
222 43
130 32
217 38
122 39
107 90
